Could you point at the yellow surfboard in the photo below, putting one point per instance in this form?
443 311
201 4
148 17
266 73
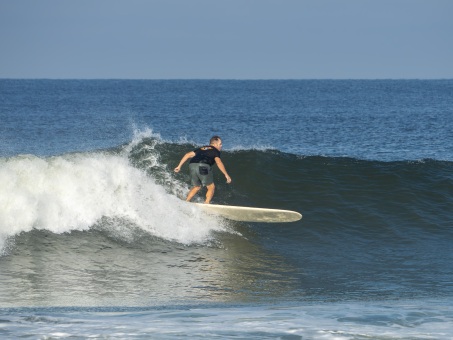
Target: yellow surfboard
249 214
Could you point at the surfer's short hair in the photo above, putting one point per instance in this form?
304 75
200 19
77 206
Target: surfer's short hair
214 139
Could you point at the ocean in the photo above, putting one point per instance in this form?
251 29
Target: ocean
97 242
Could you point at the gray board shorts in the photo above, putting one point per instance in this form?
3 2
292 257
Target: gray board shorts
201 174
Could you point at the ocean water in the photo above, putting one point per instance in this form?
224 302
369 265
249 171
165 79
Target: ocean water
95 240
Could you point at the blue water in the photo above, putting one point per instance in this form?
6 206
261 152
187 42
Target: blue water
95 241
379 120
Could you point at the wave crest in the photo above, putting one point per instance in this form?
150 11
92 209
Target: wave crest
74 192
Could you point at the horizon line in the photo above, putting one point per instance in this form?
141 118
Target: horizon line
221 79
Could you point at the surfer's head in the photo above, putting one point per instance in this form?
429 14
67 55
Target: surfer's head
216 141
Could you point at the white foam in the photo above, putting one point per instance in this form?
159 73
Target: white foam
139 135
74 192
322 320
257 147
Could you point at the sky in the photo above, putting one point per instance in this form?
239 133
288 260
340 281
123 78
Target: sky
226 39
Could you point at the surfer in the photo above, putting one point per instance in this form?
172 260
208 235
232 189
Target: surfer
200 166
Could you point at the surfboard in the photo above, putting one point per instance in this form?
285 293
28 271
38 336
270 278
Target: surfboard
249 214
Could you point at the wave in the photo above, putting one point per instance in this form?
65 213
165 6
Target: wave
77 191
330 191
134 183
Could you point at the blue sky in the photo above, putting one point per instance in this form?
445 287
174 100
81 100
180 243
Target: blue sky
226 39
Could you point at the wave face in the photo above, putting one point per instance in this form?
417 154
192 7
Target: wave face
335 192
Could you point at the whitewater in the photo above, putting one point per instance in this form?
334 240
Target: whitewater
75 192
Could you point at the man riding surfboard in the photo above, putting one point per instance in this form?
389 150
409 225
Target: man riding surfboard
200 166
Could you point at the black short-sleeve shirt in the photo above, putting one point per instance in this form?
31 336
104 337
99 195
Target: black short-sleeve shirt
205 154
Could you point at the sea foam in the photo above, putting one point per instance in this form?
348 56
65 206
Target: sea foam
74 192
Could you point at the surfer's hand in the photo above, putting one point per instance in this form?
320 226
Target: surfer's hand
177 169
228 178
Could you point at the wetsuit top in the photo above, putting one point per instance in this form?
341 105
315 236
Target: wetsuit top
205 154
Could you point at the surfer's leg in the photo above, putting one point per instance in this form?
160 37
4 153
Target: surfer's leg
210 192
192 193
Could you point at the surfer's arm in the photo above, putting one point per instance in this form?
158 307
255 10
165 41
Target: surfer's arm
184 159
221 167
